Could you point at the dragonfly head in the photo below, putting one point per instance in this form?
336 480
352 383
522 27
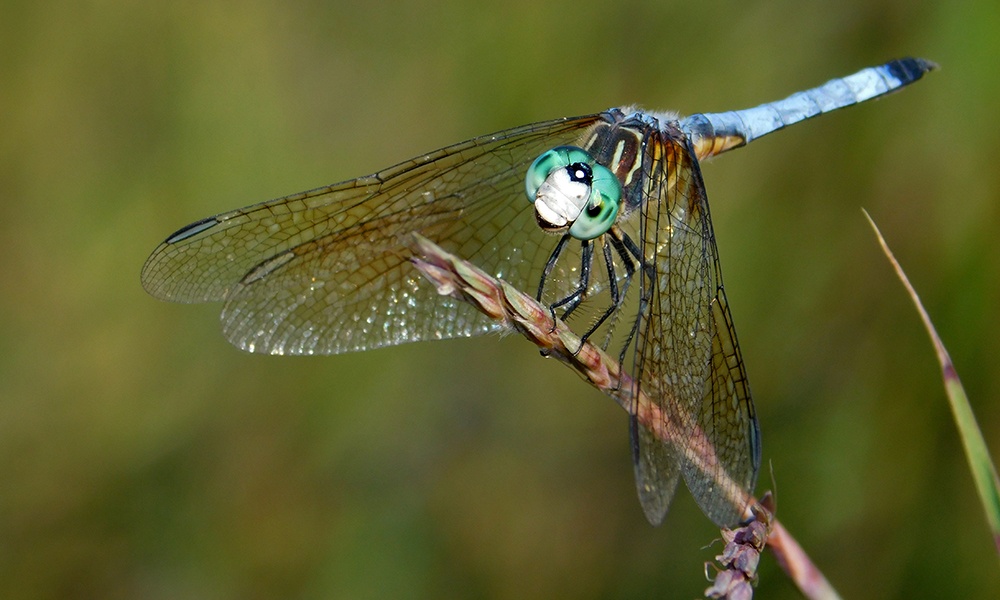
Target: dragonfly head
570 190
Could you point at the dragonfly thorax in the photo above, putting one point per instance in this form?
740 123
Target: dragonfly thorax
569 189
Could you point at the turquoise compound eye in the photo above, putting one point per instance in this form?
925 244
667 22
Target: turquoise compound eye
602 209
550 160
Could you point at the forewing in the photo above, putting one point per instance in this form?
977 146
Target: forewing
687 359
673 346
327 271
723 449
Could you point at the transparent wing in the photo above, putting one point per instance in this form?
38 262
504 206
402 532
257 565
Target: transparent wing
686 355
327 271
657 472
729 423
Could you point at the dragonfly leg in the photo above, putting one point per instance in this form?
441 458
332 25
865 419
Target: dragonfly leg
625 256
572 301
551 264
617 297
609 265
628 247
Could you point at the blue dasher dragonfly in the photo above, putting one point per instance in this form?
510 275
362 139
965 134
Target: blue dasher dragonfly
605 215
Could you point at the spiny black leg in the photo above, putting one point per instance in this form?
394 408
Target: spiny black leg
573 300
634 251
648 272
616 299
550 265
623 254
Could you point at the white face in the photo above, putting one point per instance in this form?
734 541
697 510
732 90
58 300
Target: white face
570 190
563 196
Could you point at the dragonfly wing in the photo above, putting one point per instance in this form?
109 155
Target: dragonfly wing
674 338
729 425
657 471
327 271
686 355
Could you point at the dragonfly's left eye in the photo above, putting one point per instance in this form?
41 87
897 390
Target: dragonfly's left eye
571 190
602 210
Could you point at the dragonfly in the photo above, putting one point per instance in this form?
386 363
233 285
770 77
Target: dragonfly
605 217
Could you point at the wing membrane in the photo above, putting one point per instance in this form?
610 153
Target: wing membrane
657 472
325 271
686 355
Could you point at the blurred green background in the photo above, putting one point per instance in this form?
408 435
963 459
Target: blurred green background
141 456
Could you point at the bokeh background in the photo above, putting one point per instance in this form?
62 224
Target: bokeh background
143 457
